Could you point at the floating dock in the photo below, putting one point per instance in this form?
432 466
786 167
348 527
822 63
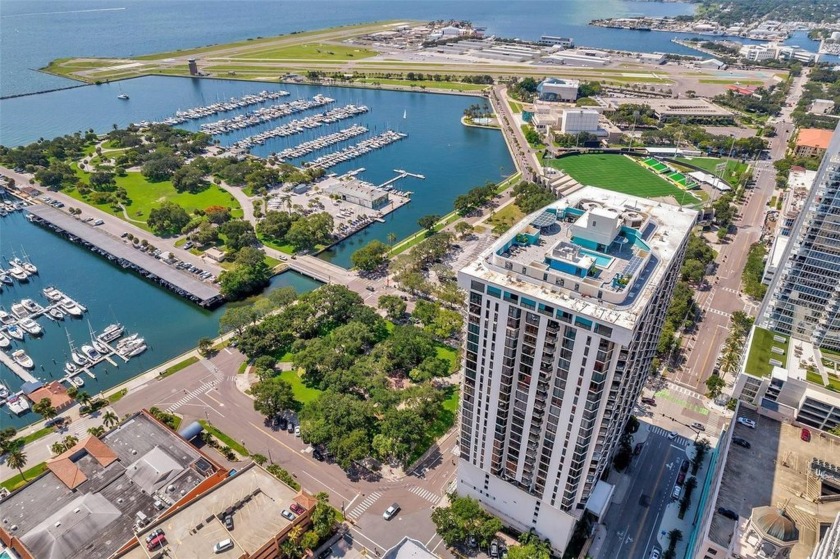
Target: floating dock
123 254
22 373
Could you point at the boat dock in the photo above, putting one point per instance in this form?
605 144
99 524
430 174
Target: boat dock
224 106
22 373
320 143
402 174
357 150
114 249
264 114
299 126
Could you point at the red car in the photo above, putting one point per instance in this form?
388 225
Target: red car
805 435
297 509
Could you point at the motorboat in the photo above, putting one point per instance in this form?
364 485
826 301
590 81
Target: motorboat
17 405
91 353
127 341
78 358
70 368
4 341
4 278
136 349
31 305
56 313
70 307
4 392
52 293
101 347
5 317
19 274
78 381
15 332
112 332
122 96
22 359
19 310
26 265
31 326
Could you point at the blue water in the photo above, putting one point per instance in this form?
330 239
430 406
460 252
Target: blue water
600 260
169 324
34 32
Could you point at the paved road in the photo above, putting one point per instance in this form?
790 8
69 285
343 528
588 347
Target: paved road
114 225
632 525
208 390
523 156
719 302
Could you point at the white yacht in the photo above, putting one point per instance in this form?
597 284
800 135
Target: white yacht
91 353
52 293
4 341
55 313
15 332
19 310
70 307
78 381
31 326
112 332
5 317
17 405
31 305
4 392
22 359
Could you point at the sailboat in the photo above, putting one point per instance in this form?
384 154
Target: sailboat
76 356
122 95
405 113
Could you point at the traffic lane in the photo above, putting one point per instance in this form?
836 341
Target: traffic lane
654 475
414 519
164 392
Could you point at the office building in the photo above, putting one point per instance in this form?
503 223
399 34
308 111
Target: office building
553 40
799 184
565 312
829 547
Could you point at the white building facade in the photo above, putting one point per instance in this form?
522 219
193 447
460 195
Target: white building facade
565 312
574 121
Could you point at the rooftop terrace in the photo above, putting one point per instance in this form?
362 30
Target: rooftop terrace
595 248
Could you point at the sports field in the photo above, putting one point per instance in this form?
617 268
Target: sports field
619 173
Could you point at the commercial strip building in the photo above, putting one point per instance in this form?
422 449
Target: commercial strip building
812 142
771 500
565 312
557 89
95 496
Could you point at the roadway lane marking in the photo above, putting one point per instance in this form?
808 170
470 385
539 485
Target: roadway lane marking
353 500
376 546
679 447
325 485
656 524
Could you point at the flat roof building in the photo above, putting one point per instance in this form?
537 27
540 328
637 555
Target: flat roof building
254 499
565 312
358 192
667 109
93 497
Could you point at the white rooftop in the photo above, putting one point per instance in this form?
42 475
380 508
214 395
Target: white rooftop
604 256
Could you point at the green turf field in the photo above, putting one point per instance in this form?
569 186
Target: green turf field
619 173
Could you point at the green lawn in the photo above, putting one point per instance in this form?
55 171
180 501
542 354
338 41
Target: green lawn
303 393
117 396
450 354
758 359
619 173
18 481
816 378
179 366
145 195
34 436
428 84
708 164
315 51
224 439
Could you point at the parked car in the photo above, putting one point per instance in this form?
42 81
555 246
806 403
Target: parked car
675 493
741 442
316 454
229 522
746 422
297 509
297 430
494 548
654 554
223 545
730 514
680 478
671 435
638 449
291 427
391 511
684 466
699 426
325 553
805 435
649 401
158 541
288 515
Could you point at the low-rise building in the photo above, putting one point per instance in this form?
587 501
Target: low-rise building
94 497
258 504
358 192
694 110
812 142
574 121
557 89
821 106
55 392
215 254
552 40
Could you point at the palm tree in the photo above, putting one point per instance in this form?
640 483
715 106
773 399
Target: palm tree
83 398
392 237
69 441
17 460
96 431
110 419
57 447
45 408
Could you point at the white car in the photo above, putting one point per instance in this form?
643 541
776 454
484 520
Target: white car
297 430
654 554
671 435
746 422
391 512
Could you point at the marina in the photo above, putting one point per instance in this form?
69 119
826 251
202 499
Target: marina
300 126
199 292
357 150
264 114
321 143
232 104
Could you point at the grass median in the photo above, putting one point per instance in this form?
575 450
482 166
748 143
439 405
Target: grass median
238 448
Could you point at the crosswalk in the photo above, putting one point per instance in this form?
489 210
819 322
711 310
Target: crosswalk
426 494
679 439
718 312
683 390
192 394
360 509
